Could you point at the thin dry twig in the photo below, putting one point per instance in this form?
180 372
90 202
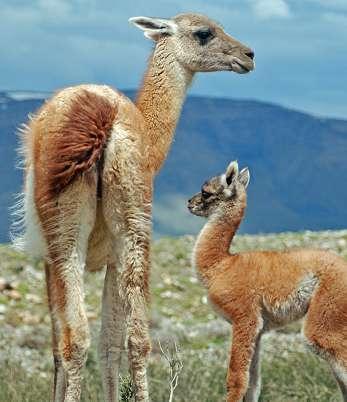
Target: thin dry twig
172 356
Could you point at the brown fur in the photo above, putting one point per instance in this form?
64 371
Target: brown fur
77 144
65 141
260 290
67 346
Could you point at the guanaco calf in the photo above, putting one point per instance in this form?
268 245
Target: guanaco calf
261 290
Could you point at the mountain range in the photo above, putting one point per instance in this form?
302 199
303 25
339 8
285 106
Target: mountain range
298 163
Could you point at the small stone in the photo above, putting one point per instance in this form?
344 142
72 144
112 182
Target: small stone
30 319
33 298
5 285
2 284
91 315
13 294
341 243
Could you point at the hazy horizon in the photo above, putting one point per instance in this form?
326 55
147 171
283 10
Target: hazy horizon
193 95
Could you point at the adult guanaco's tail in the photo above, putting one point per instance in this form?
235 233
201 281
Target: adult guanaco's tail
79 143
66 149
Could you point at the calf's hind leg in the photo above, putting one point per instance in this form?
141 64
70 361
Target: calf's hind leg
325 329
340 374
333 354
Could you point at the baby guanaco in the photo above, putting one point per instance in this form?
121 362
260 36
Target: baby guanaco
261 290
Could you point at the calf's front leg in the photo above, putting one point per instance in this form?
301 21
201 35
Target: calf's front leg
254 383
245 334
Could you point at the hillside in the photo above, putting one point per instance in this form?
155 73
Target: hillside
179 312
298 163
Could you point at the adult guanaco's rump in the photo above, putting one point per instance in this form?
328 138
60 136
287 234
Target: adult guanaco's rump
90 158
261 290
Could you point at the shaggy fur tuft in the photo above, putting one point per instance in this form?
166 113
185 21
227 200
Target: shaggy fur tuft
81 140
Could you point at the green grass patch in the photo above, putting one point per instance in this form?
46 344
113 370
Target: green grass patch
292 378
179 309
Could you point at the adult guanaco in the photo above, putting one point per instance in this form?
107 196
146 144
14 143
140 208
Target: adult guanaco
90 159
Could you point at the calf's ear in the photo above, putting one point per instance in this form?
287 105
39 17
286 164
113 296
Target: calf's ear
230 173
244 177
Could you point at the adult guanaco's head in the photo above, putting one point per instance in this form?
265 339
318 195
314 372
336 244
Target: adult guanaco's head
198 43
222 195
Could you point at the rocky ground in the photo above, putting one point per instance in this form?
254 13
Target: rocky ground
179 314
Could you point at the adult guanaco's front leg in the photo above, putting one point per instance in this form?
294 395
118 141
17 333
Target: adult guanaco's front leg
130 223
134 288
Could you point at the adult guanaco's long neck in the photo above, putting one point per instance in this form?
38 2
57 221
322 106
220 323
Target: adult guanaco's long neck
160 100
213 243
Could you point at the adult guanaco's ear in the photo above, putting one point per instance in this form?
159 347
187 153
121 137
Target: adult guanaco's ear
244 177
231 172
154 28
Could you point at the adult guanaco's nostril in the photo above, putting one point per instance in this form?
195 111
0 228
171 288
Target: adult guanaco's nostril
250 54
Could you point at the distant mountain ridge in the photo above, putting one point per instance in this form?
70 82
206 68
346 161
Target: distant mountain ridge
297 161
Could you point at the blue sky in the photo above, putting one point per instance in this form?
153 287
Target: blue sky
300 47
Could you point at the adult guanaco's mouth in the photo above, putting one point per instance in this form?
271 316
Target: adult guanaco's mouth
240 67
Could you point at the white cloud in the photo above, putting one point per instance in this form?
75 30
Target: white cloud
49 44
332 4
59 8
338 19
265 9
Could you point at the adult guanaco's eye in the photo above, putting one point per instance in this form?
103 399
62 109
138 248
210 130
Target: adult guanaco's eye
205 194
203 35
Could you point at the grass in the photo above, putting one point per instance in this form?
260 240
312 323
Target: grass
179 311
296 377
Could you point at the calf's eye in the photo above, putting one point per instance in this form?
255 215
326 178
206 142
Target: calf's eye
205 194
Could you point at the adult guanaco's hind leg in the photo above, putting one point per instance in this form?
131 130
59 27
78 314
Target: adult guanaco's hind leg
112 334
71 219
59 382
